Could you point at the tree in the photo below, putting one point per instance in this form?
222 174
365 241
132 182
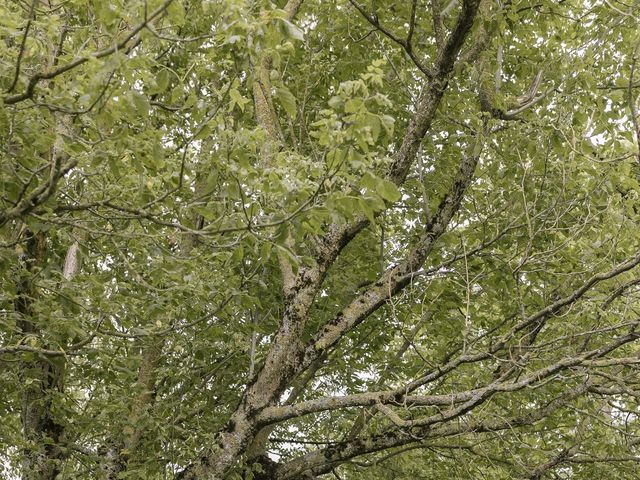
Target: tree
269 240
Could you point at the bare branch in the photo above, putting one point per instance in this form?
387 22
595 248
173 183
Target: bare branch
31 17
405 44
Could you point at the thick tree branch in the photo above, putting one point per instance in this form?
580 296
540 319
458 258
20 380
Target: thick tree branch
286 356
469 399
322 461
397 277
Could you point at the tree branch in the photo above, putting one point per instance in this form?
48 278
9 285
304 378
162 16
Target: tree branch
405 44
48 75
397 277
321 461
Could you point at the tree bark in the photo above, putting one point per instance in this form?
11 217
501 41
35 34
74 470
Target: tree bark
43 378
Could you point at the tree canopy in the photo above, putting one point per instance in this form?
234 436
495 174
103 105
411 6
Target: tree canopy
251 239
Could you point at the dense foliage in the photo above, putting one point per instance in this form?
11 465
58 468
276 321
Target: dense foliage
366 239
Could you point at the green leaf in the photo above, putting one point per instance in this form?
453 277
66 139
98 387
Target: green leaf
388 191
292 30
141 104
176 13
367 209
369 181
287 100
237 99
162 81
373 122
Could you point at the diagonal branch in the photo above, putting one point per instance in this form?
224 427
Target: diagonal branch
48 75
27 27
405 44
287 356
339 235
399 276
40 194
